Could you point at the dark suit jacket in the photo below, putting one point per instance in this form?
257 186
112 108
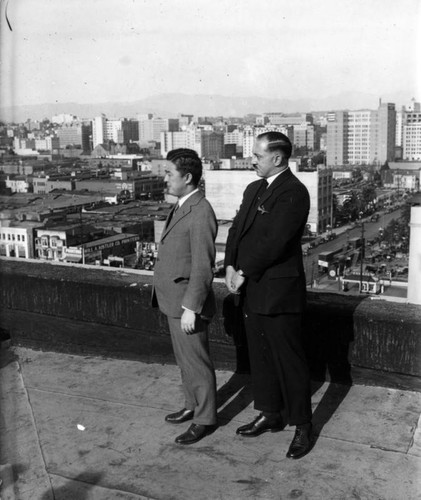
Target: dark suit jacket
183 271
265 243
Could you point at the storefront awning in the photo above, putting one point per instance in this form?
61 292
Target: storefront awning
73 258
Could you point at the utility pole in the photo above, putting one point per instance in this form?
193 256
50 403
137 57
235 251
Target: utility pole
361 256
81 234
312 273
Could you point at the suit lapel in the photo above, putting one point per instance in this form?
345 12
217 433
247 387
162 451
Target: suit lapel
281 179
170 215
184 210
248 219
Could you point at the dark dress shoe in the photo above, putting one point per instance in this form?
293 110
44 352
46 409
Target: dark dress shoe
260 425
179 416
194 434
302 441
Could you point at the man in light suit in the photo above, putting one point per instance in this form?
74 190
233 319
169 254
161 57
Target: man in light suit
183 277
264 264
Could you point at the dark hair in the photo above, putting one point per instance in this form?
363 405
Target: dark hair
187 161
276 141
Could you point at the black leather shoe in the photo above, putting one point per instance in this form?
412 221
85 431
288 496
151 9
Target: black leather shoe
194 434
179 416
302 441
261 424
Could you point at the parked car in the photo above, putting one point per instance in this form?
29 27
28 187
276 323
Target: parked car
374 217
371 269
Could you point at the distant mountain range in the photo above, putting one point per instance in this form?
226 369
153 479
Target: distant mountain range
169 105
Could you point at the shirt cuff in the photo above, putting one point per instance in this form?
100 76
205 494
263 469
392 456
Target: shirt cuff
187 309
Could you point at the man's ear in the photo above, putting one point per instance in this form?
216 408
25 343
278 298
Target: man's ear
277 159
189 178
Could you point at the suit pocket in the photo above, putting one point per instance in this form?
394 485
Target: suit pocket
180 280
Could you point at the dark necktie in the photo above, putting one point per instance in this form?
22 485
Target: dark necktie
261 190
175 208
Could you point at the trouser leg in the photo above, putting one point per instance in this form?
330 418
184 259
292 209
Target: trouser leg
265 384
280 375
197 371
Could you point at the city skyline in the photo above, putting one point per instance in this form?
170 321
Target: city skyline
93 52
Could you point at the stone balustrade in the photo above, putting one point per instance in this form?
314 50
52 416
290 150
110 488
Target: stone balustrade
92 310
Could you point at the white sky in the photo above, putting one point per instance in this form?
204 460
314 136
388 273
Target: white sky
122 50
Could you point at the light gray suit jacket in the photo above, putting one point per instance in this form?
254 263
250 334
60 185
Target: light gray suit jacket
183 271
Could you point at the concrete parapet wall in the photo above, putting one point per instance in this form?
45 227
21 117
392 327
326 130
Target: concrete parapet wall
95 311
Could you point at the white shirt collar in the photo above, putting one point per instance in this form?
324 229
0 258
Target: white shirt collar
273 177
184 198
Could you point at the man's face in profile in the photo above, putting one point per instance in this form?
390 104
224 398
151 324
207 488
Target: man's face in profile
176 183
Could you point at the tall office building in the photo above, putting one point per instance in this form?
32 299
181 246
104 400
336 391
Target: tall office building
336 138
412 141
400 116
234 137
99 129
172 140
150 128
385 134
212 144
75 134
248 141
408 123
130 130
189 138
305 136
113 131
361 137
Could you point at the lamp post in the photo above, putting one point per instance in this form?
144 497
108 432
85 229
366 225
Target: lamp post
361 254
312 273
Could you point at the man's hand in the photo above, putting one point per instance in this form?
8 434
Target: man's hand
229 274
237 281
188 320
233 280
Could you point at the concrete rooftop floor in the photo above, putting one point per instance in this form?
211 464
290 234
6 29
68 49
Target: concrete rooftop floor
80 427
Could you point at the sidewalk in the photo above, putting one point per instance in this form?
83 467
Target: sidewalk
79 428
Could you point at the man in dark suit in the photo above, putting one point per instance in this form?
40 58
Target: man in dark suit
264 264
183 277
